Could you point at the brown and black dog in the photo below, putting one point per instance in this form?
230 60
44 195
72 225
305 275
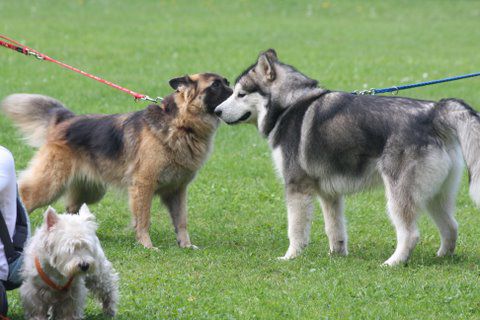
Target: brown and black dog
155 151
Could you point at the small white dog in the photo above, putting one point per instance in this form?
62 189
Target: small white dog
62 260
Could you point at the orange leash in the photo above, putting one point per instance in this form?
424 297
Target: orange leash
49 281
18 47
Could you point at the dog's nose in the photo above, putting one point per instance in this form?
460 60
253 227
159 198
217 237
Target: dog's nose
218 113
84 266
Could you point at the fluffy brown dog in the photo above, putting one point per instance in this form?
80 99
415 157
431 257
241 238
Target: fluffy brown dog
155 151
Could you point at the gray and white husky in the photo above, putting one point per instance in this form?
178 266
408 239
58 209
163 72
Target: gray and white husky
330 143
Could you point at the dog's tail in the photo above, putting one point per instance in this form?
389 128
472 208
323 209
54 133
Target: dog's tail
464 121
33 114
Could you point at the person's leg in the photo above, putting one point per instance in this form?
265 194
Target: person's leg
3 300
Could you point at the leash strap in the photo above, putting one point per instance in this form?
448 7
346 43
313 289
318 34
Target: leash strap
10 251
18 47
49 281
395 89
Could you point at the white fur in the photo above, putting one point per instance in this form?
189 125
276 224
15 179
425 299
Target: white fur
278 160
63 244
332 208
300 211
235 107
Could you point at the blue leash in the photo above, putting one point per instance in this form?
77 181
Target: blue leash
414 85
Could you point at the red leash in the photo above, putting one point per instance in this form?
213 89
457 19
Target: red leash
16 46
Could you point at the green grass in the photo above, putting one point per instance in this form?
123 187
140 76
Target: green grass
237 213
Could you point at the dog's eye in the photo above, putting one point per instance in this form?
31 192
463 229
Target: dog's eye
216 84
241 95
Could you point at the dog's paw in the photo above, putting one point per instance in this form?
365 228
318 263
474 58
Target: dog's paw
338 253
393 263
445 252
285 258
291 254
189 246
109 312
144 240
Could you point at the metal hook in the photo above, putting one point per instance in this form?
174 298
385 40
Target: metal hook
36 55
147 98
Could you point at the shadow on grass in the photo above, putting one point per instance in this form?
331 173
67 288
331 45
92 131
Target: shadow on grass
422 256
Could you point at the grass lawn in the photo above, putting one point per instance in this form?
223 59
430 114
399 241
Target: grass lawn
236 207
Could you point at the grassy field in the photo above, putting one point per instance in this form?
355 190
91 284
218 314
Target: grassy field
237 213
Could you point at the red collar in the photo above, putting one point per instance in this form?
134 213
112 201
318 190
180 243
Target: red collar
49 281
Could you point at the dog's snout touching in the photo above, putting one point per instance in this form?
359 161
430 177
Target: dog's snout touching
218 113
84 266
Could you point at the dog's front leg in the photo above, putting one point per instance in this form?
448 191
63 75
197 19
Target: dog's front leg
176 202
35 308
300 208
71 308
141 196
332 208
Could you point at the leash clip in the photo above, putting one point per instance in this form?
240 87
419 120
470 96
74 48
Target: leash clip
365 92
147 98
36 55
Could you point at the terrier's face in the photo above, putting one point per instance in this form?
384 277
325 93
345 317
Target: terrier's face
71 243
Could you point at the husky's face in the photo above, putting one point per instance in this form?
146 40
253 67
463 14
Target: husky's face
251 94
71 242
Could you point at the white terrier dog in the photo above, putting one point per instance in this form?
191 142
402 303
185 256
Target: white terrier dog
62 260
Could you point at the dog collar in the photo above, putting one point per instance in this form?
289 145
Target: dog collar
49 281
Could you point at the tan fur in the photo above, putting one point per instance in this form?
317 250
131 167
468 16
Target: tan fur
155 160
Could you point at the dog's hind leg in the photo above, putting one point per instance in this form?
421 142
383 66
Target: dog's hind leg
80 191
403 214
442 207
300 209
332 208
176 203
46 176
140 198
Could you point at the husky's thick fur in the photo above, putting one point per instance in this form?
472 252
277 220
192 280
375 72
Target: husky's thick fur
155 151
329 144
66 247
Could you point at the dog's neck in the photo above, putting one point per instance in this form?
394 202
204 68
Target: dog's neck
51 277
277 106
299 95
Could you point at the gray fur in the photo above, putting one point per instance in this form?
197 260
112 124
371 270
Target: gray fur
331 144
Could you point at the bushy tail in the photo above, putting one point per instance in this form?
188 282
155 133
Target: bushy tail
465 122
33 114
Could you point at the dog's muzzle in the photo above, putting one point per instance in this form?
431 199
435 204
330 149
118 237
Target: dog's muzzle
84 266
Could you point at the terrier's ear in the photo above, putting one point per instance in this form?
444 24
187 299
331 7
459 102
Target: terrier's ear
84 212
178 83
51 218
266 62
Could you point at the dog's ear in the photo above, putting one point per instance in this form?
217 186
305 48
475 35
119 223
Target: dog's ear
178 83
85 213
50 217
272 54
266 62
